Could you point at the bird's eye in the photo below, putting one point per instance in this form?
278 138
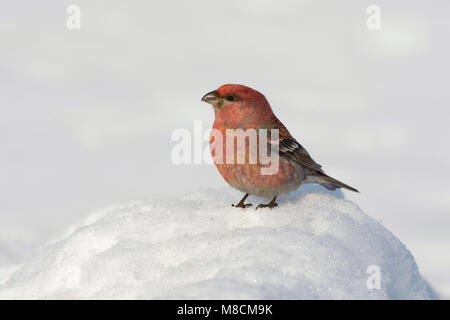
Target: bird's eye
230 98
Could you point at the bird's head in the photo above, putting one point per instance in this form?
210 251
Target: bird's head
233 94
237 101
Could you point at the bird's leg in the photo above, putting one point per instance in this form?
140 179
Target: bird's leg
241 203
271 204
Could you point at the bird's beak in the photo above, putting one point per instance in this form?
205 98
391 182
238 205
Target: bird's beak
211 98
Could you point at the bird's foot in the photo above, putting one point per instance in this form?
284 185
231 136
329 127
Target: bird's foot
271 204
268 205
241 205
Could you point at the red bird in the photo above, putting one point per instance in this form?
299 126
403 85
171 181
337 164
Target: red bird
240 107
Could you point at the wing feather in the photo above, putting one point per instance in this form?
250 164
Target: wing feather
291 149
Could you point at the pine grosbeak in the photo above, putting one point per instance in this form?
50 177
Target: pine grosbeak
240 107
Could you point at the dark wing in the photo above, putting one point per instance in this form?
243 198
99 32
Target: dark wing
292 150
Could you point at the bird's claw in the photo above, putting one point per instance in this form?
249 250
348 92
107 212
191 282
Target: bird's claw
268 205
243 206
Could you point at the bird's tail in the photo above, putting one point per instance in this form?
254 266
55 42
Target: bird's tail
331 183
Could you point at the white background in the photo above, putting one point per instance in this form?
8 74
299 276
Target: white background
87 115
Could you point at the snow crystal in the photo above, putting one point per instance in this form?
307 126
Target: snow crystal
314 246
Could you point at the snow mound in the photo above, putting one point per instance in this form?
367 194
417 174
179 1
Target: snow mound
313 246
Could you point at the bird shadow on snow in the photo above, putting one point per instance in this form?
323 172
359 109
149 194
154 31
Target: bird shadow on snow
305 189
312 188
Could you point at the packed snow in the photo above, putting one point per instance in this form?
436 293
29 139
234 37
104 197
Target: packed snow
314 245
